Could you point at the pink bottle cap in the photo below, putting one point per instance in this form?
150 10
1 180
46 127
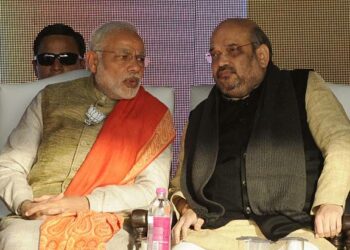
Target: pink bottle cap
161 190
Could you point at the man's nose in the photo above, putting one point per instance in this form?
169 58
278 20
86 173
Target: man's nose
135 65
56 64
223 59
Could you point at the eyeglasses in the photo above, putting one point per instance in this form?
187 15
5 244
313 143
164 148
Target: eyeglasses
47 59
128 57
232 51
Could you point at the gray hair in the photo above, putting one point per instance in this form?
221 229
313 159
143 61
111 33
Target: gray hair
259 37
99 35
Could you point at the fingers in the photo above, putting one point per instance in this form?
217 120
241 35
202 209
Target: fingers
339 225
49 197
45 209
45 205
328 221
182 227
320 225
57 197
328 226
185 227
35 210
199 224
37 217
177 231
42 198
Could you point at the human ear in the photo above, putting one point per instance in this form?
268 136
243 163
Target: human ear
34 68
263 55
82 63
91 61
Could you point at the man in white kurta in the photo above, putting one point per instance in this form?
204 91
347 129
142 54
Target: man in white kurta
24 187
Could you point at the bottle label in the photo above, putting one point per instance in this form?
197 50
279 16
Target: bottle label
161 233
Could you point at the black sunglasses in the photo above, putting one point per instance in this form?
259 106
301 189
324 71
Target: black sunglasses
47 59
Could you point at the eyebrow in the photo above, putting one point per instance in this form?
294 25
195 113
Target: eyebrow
232 44
229 45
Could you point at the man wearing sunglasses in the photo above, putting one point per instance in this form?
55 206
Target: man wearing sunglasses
58 49
87 152
266 155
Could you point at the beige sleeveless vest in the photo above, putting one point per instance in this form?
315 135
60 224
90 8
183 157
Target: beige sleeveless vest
66 139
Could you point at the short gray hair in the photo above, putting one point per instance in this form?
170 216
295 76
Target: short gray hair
259 37
101 32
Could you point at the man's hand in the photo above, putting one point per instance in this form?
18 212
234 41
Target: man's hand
45 206
328 220
189 218
27 205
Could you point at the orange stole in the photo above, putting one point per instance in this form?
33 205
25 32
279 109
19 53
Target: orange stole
128 128
84 230
133 135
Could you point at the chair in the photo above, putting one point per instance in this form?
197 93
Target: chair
14 98
198 94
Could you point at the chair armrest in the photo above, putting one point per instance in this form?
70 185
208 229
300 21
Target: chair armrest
343 240
139 225
346 230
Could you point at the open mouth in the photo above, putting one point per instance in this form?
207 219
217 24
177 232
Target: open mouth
132 82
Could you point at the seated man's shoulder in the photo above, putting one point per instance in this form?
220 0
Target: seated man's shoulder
67 85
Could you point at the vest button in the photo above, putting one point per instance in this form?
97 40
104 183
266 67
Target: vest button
248 210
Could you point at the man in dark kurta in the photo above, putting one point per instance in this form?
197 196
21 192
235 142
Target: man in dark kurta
262 152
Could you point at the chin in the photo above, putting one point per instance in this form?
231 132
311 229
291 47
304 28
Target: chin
129 93
235 92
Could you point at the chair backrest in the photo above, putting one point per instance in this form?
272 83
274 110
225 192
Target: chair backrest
341 91
198 94
14 98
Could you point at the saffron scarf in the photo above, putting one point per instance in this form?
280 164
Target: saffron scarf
133 135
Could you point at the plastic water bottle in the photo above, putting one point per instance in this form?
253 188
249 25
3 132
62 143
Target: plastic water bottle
159 222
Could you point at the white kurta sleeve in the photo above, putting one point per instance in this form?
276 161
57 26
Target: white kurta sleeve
330 128
18 156
118 198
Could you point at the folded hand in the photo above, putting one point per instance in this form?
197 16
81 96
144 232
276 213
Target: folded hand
45 206
328 220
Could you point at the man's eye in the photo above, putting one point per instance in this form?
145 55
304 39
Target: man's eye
214 55
141 58
125 57
233 50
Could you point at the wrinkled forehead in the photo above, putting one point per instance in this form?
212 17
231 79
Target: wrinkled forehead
230 33
124 39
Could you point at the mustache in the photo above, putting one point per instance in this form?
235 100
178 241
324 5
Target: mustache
223 68
133 78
